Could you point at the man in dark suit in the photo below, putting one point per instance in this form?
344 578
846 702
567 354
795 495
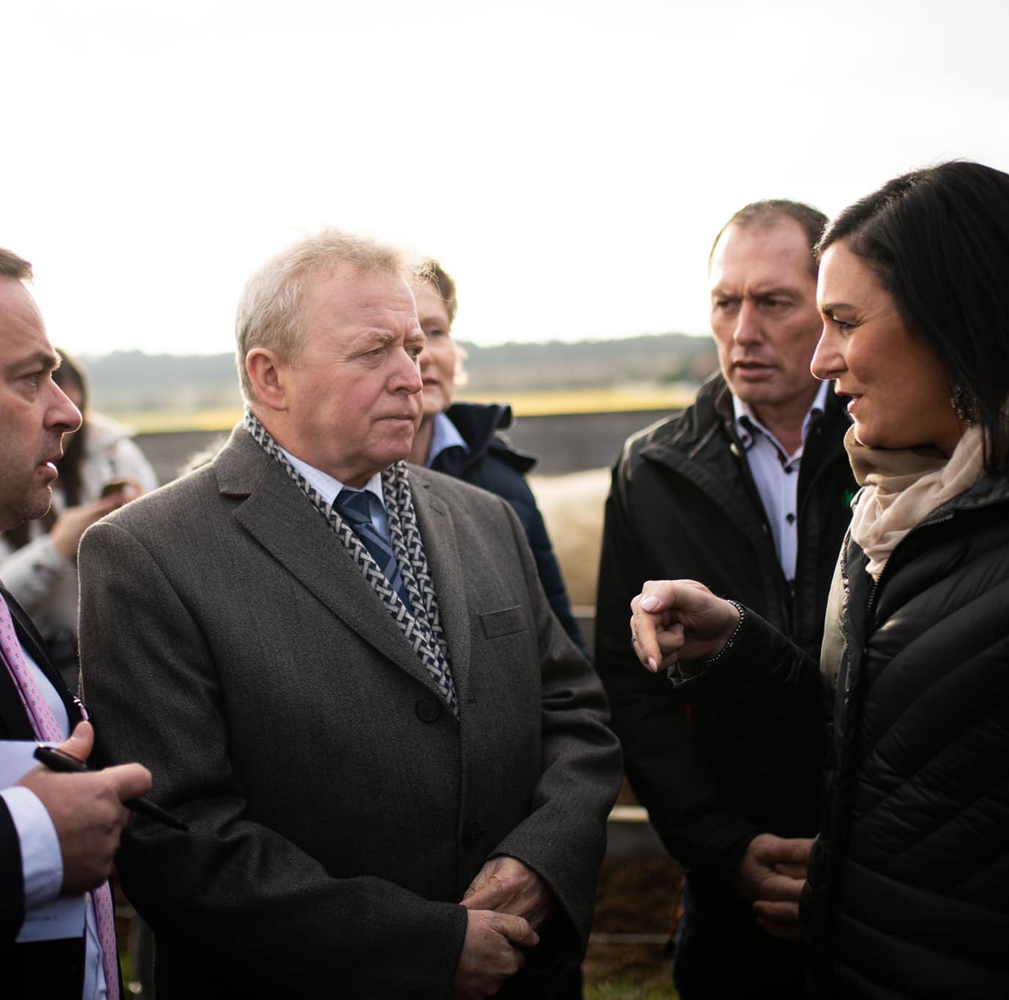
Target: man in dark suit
393 761
748 491
58 833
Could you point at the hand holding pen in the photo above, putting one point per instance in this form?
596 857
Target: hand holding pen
63 763
86 810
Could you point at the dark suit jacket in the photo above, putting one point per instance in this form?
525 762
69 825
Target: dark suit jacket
338 809
63 961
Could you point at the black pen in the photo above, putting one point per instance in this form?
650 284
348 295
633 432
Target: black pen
55 760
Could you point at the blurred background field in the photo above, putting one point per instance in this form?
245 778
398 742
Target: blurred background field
524 403
156 393
574 404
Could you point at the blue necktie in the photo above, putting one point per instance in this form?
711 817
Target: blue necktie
354 506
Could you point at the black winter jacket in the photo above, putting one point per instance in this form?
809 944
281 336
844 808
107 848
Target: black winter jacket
908 892
684 505
494 464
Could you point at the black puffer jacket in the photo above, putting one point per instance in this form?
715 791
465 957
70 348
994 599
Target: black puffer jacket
908 893
683 504
494 464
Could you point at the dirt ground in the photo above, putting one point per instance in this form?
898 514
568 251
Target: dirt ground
635 897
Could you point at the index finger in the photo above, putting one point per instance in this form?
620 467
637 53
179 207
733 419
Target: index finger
646 621
644 638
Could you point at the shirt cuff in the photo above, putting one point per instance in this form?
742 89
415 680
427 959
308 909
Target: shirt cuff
41 858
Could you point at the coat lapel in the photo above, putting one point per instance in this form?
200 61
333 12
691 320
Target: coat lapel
282 520
438 532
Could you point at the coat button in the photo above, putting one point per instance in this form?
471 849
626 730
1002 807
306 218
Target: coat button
428 709
472 835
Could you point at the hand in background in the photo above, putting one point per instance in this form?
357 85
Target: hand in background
87 810
74 521
771 875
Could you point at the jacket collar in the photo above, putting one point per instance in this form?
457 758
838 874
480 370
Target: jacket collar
444 559
479 423
713 412
274 512
701 445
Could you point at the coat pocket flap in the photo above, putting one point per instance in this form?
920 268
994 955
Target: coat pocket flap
504 622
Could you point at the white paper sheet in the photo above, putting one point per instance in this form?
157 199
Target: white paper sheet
64 917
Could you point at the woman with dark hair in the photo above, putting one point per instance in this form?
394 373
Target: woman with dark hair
101 469
466 440
908 881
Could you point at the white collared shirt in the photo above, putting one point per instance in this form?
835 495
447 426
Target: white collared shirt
776 474
329 489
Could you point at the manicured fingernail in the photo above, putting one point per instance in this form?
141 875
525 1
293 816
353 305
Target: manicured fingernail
649 604
652 665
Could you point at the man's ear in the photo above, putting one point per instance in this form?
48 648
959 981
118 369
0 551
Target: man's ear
268 375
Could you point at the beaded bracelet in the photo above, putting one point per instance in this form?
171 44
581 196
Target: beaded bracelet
732 638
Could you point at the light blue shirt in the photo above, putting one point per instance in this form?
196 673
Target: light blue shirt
776 474
444 434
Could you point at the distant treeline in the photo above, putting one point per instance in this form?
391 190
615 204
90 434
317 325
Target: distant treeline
658 358
135 382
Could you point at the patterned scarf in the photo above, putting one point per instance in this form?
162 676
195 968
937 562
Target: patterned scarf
421 625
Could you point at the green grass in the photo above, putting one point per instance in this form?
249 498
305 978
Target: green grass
627 988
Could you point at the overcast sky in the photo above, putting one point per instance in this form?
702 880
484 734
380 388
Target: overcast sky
568 162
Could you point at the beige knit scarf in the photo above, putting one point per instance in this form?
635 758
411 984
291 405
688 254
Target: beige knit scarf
902 486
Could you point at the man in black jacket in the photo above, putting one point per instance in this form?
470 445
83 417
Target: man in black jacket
58 832
748 491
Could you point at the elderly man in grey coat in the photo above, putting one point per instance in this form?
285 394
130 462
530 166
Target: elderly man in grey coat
345 677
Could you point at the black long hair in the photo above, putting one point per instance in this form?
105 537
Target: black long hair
938 240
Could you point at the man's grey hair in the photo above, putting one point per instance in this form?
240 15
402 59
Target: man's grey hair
13 266
768 213
270 309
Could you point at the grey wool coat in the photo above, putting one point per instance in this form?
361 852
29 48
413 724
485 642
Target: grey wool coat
337 808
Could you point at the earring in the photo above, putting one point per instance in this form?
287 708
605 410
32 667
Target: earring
963 405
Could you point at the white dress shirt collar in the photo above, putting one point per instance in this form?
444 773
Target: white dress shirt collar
743 410
326 485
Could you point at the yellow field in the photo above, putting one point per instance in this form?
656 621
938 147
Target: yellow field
525 404
605 400
161 421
